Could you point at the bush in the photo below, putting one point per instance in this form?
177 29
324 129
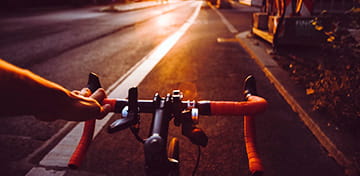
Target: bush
336 88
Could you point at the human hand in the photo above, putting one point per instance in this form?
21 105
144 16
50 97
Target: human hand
78 106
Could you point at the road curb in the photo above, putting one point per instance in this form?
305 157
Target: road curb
271 70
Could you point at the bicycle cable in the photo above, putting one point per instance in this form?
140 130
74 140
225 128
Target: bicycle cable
197 161
135 131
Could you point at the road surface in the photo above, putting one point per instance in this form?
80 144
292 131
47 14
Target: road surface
65 45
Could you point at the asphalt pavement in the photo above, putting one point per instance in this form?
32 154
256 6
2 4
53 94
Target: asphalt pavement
296 97
210 70
293 94
340 146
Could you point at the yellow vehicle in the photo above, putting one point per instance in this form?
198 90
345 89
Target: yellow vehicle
289 21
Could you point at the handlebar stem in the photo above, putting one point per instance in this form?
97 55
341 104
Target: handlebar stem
155 144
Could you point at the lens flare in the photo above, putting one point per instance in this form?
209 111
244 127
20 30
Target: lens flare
189 90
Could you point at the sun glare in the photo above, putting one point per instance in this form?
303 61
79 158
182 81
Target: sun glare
164 20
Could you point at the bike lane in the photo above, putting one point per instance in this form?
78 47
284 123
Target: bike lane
205 69
20 160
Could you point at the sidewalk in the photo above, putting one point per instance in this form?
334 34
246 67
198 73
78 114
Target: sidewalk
242 7
341 147
134 6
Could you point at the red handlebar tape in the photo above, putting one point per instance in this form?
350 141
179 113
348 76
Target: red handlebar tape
85 140
253 106
255 163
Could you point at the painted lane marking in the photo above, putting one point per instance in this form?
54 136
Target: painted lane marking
60 154
230 27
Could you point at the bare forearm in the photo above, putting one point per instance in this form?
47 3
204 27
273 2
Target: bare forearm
25 93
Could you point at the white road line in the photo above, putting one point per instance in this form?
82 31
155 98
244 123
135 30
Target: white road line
230 27
60 154
40 171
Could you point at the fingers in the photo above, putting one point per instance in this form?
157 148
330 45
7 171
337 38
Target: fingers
76 92
89 105
104 111
99 95
85 92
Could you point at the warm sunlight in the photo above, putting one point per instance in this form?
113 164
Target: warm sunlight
164 20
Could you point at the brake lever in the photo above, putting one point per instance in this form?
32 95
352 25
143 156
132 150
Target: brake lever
130 114
250 86
93 82
189 129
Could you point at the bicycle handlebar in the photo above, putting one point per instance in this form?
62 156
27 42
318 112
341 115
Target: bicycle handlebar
252 106
79 154
88 131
